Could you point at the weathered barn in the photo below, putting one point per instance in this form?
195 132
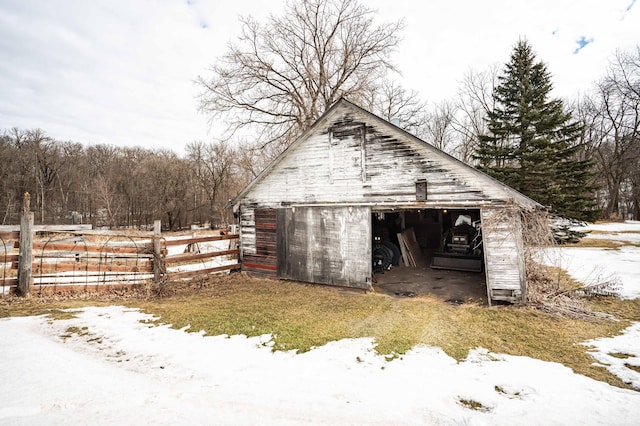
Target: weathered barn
312 214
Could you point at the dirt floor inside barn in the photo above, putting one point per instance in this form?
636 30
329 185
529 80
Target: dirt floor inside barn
454 287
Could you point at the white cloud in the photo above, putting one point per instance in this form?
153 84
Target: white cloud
122 72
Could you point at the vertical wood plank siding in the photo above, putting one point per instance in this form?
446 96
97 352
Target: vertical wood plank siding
262 257
326 245
503 254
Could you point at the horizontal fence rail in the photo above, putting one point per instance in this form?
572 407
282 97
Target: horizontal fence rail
200 255
89 260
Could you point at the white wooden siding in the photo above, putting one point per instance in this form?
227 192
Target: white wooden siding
503 254
248 231
327 167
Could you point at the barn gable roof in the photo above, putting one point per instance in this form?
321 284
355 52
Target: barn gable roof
503 191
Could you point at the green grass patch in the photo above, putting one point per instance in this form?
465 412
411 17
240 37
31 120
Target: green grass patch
302 316
56 309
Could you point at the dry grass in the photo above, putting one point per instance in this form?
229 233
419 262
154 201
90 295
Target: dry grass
600 243
473 405
302 316
605 243
627 231
626 309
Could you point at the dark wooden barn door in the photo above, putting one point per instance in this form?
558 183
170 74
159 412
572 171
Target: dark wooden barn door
325 245
264 262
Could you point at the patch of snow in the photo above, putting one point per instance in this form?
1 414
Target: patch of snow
593 265
109 365
618 353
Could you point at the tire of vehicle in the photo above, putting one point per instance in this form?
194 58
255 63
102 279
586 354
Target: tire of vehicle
395 261
384 253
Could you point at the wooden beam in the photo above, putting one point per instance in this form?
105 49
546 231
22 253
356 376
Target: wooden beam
94 248
10 282
159 267
403 250
189 274
260 266
196 256
26 240
53 287
413 248
39 268
199 239
9 258
9 235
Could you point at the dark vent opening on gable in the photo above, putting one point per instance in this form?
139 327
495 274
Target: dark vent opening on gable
421 190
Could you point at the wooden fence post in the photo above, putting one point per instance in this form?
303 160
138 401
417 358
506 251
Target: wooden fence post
25 253
158 261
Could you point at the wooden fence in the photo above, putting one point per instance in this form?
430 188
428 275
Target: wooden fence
62 260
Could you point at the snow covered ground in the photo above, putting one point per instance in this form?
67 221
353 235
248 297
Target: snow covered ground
592 265
107 367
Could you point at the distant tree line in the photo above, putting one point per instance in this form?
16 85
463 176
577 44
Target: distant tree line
581 158
116 187
113 186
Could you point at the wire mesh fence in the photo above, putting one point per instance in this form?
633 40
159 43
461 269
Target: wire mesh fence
95 260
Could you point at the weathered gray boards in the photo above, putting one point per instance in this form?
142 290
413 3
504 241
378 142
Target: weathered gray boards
313 213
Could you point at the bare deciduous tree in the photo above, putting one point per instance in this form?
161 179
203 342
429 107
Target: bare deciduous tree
212 164
473 101
280 76
47 157
614 121
168 181
110 209
440 126
400 106
250 161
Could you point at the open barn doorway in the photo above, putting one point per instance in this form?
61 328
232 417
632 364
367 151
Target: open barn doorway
405 243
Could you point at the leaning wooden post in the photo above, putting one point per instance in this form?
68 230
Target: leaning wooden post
158 261
25 253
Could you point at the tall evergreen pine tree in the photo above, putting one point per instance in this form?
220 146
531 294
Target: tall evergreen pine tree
533 143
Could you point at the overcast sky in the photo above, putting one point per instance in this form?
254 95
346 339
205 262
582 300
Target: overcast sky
121 72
